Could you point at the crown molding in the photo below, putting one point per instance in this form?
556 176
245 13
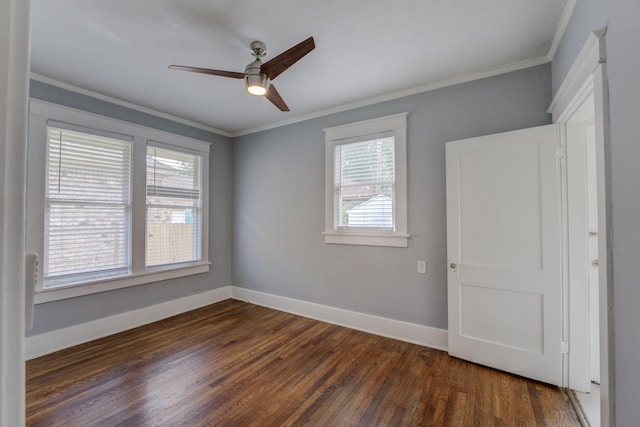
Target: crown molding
520 65
106 98
516 66
562 26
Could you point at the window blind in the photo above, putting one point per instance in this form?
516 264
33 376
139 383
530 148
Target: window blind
87 206
174 207
364 185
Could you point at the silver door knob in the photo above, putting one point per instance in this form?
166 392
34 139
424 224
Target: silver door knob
453 265
595 263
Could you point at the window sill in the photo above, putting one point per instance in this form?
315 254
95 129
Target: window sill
396 240
71 291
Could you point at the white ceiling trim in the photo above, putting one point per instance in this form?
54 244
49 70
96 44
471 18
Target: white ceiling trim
562 26
520 65
126 104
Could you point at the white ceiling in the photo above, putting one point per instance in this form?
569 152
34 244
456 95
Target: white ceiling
364 49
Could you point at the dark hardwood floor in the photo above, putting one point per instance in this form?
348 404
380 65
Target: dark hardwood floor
237 364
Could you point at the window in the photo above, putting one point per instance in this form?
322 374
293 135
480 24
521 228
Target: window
366 182
87 206
364 185
174 207
109 206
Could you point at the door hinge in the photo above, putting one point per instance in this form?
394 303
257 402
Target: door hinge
560 152
564 347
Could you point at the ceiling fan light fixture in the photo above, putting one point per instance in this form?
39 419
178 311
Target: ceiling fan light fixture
257 84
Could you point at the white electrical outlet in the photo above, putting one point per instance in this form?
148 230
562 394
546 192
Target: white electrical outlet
422 267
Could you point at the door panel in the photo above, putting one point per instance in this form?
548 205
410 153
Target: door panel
504 252
482 182
523 331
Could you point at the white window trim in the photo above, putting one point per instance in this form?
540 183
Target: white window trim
337 135
161 145
40 113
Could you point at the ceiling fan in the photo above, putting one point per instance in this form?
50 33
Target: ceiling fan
257 76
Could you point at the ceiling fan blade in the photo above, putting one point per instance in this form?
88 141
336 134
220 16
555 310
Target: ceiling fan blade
273 96
232 74
274 67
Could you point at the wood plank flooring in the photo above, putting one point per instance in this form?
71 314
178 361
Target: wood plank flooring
238 364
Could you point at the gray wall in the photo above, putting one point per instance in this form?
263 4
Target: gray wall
279 201
59 314
623 64
623 43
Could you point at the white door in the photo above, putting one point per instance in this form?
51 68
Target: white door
504 252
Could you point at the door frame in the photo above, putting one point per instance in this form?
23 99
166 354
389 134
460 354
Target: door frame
14 84
587 78
577 260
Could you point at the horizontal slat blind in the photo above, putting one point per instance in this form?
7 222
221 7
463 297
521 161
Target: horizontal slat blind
87 206
174 207
364 185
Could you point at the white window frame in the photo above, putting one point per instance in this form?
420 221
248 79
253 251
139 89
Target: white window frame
358 131
40 113
99 274
161 145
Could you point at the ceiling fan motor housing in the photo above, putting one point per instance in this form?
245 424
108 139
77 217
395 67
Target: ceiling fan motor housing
256 82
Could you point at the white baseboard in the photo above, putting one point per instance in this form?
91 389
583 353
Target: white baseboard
49 342
403 331
39 345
